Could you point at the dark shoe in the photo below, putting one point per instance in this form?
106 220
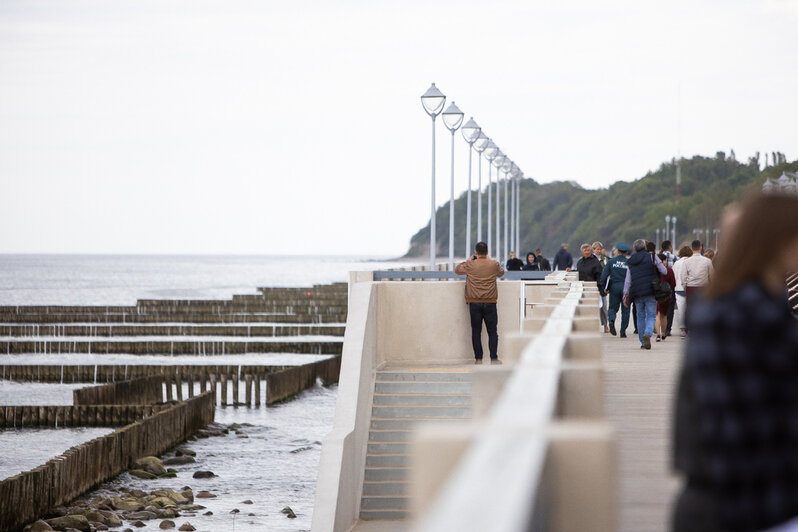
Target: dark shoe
495 361
612 328
646 341
478 361
659 338
623 335
635 332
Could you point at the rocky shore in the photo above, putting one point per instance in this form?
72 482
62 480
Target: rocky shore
136 508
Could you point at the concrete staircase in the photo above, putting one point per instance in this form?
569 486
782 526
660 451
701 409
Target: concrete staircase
402 399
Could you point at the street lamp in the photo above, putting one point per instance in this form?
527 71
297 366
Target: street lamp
480 145
518 209
490 153
673 232
507 166
471 132
432 101
667 227
658 231
452 118
498 161
716 232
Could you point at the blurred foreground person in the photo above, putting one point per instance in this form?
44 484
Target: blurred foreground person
736 418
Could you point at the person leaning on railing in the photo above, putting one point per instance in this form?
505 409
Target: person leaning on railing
736 418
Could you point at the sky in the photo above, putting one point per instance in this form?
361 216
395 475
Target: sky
266 127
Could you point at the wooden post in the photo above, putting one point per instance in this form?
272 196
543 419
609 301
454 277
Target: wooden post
224 389
236 397
203 381
179 386
257 389
248 391
213 387
168 380
190 385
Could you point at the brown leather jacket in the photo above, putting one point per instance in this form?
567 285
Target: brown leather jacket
481 274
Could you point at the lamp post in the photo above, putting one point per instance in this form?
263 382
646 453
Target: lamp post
658 231
471 132
432 101
673 232
513 234
480 145
667 227
716 232
507 166
490 154
452 118
498 161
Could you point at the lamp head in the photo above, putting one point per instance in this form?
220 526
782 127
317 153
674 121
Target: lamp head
433 101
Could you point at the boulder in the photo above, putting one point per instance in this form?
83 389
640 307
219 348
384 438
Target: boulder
139 524
126 505
95 516
204 474
289 513
167 524
140 473
205 495
180 460
167 513
139 494
208 513
141 516
150 464
186 527
98 526
183 451
78 522
247 502
164 502
113 522
188 494
170 474
40 526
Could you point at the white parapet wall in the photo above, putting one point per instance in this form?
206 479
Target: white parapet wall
396 323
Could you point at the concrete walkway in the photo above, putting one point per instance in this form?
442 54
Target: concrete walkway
639 402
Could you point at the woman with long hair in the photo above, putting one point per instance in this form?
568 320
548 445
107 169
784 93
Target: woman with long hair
662 306
736 419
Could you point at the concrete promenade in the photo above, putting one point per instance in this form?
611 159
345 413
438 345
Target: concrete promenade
639 399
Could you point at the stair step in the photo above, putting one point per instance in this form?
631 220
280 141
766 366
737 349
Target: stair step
377 474
462 376
385 503
428 387
425 412
385 515
385 488
390 435
388 448
422 399
409 423
387 460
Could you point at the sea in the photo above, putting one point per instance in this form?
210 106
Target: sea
274 466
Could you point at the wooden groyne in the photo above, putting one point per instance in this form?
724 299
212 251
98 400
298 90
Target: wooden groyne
291 381
169 347
141 391
143 329
28 495
19 417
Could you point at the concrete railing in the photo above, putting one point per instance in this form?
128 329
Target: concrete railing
410 323
538 452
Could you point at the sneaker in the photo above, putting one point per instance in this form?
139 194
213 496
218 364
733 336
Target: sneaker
478 361
646 342
495 361
684 334
612 328
659 338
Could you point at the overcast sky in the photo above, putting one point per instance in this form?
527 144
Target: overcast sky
269 127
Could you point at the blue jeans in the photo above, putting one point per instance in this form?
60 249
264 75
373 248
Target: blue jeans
646 307
486 312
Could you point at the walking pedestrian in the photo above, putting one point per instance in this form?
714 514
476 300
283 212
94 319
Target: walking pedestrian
681 301
543 261
736 414
563 260
481 295
663 306
598 252
612 279
696 274
643 268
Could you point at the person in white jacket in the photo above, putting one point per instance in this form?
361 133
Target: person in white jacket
681 301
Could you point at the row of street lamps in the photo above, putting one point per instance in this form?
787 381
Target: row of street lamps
433 101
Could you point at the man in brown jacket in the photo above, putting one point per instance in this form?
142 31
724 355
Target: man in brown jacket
481 295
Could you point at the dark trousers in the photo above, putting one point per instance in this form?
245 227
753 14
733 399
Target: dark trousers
616 302
484 312
689 293
671 308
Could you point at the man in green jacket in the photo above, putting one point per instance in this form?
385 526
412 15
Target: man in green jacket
612 279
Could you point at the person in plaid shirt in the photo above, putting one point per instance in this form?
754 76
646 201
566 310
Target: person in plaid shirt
736 418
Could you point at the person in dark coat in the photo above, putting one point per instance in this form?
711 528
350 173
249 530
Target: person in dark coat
735 436
612 278
542 261
589 267
514 264
531 263
643 268
563 260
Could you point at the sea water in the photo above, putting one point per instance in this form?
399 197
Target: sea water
274 466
